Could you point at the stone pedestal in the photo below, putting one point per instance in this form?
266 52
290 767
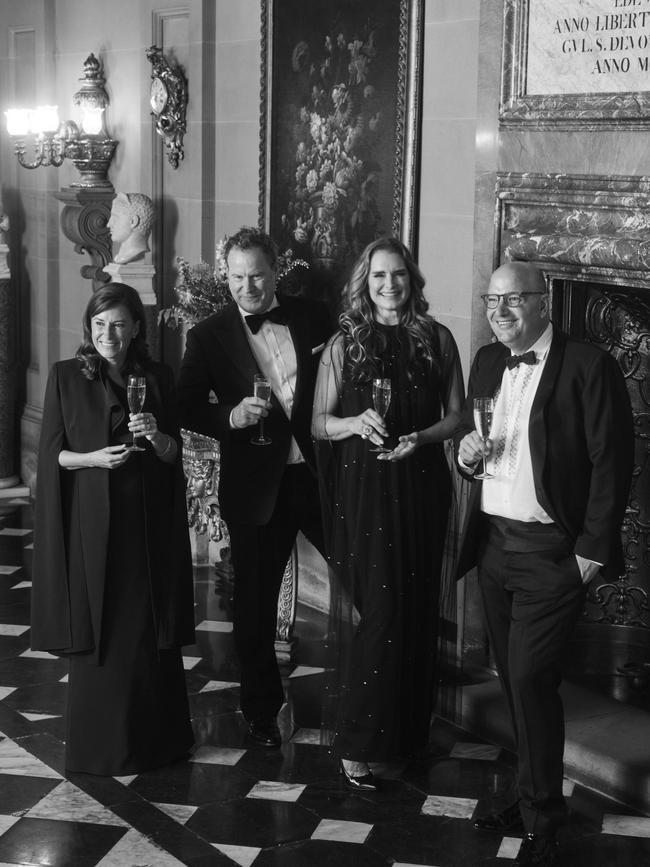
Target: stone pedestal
140 276
137 274
8 479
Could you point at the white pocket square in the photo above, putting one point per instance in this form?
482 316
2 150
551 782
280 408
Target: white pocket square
318 348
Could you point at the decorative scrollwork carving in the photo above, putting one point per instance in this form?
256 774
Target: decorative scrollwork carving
620 322
169 103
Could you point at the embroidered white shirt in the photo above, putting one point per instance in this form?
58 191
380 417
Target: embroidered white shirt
511 493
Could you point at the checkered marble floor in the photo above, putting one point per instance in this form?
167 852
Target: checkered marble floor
233 804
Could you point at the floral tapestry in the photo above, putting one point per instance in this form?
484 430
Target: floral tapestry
339 138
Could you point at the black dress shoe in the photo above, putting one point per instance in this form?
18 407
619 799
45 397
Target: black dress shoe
265 732
366 782
505 822
538 850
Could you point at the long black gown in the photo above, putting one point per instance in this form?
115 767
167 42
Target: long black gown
130 713
386 524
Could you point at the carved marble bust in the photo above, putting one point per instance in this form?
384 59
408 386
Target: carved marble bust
132 216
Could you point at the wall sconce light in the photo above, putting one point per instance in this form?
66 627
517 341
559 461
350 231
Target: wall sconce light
87 143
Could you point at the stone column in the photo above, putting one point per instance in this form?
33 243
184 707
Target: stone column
7 358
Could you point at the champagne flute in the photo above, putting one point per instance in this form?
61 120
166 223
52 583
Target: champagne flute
483 415
136 389
261 388
381 395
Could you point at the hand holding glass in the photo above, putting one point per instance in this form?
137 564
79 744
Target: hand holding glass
261 388
136 389
381 396
483 414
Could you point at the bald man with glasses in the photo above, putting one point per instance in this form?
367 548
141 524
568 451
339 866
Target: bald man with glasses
546 522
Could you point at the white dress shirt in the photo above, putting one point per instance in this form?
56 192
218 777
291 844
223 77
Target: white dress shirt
511 493
275 354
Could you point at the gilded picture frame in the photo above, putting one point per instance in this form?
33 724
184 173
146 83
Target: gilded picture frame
521 109
340 129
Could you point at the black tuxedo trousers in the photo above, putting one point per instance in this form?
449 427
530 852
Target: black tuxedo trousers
259 557
533 595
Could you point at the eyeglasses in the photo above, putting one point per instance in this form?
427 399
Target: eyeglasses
512 299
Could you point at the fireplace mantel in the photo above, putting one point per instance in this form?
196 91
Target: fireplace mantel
588 227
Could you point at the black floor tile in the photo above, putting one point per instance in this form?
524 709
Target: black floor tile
253 822
19 793
57 842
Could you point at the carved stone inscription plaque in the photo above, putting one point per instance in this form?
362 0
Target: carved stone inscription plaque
588 46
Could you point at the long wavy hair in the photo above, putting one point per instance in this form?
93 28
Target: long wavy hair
364 339
109 296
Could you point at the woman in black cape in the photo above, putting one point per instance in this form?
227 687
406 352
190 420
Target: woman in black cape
112 577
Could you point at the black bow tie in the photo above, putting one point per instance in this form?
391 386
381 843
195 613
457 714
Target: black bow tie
527 358
255 320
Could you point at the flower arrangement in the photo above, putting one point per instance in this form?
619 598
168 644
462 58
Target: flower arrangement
202 290
332 205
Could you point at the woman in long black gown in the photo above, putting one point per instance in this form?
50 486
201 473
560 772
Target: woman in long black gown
112 578
386 513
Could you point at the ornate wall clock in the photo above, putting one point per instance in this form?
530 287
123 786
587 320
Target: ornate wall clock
168 100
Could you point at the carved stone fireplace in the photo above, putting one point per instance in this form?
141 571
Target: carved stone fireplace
591 237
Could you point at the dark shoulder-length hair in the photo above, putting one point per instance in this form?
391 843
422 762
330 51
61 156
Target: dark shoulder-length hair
364 339
109 296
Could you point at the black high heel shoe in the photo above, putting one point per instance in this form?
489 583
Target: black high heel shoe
366 782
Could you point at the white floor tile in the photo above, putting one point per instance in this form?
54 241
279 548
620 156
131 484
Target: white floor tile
36 717
567 788
9 570
509 847
190 661
13 629
16 760
22 585
127 779
6 690
342 831
216 685
305 671
6 822
217 756
626 826
270 790
242 855
454 808
68 803
38 654
404 864
181 813
133 848
214 626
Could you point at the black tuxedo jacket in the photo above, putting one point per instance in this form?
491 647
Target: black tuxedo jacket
218 358
581 442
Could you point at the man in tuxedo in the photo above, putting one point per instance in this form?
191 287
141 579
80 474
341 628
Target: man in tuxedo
266 492
560 454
